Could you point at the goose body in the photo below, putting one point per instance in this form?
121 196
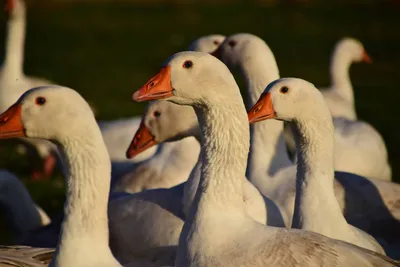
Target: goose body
316 208
218 231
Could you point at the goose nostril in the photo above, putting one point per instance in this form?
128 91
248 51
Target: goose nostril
151 84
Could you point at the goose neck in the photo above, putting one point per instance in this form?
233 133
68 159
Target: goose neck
268 149
14 57
87 169
339 70
224 150
315 199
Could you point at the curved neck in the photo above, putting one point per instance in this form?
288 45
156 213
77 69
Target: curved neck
84 234
340 65
223 162
316 207
268 149
18 205
15 43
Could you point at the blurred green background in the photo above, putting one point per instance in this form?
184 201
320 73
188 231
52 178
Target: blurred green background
106 50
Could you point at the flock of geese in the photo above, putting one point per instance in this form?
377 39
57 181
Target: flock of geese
306 184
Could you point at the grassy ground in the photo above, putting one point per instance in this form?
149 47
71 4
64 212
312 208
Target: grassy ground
107 51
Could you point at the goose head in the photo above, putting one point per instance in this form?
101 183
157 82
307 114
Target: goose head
352 49
15 8
189 78
207 43
37 115
288 99
240 48
163 121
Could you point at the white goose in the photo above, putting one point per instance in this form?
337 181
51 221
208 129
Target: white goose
117 136
359 147
268 154
172 163
40 113
340 96
316 208
218 232
13 81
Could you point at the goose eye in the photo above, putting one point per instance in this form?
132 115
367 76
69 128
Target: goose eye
40 100
216 42
232 43
156 114
284 90
187 64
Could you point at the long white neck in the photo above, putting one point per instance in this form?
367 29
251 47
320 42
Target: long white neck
84 234
190 188
19 207
268 150
223 162
340 65
316 207
14 58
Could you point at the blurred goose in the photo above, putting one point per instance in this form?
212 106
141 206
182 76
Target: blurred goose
172 163
359 147
316 208
218 231
13 81
41 113
340 96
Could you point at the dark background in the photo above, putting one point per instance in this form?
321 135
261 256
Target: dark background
108 49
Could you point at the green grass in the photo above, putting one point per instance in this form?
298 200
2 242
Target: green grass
107 51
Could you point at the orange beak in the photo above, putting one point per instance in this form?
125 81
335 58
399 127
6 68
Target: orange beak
262 110
142 140
11 122
366 58
217 52
157 87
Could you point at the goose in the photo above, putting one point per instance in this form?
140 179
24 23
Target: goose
23 214
207 43
316 208
269 167
172 163
340 96
117 136
40 113
359 147
218 231
13 81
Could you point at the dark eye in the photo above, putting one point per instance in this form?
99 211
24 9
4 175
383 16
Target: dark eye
232 43
40 100
187 64
156 114
216 42
284 90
